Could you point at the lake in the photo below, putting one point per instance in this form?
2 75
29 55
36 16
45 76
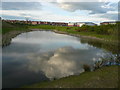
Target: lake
37 56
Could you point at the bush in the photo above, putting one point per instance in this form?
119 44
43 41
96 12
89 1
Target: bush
86 67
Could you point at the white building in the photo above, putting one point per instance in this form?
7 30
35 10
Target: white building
71 24
107 23
79 24
90 24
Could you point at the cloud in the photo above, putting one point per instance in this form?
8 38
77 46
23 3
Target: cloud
21 6
60 11
49 16
93 7
60 0
109 16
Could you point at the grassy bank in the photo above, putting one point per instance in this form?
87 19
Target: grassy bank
105 77
10 31
108 32
8 27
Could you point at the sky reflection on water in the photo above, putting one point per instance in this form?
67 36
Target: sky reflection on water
36 56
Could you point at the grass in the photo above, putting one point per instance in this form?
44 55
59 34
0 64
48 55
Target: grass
7 27
42 27
10 30
105 77
72 30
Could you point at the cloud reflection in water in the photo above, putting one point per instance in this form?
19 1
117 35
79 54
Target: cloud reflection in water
63 62
36 56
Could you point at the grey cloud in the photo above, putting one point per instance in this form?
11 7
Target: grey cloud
21 5
111 16
93 7
12 17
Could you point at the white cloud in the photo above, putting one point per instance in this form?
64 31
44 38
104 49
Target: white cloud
59 0
94 7
67 12
49 16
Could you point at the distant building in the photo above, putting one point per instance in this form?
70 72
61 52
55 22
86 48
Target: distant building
107 23
60 24
79 24
71 24
35 22
90 24
42 22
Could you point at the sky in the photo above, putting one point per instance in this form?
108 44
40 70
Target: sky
60 10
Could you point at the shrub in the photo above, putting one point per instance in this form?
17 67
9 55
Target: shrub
86 67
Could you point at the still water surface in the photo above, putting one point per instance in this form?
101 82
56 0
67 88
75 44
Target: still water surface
36 56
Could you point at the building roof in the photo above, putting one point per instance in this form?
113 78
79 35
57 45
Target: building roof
109 22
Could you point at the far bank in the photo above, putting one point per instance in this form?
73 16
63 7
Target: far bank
109 42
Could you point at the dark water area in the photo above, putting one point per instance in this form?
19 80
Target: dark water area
37 56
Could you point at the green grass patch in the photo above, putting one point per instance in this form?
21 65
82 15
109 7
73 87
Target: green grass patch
74 30
105 77
50 27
